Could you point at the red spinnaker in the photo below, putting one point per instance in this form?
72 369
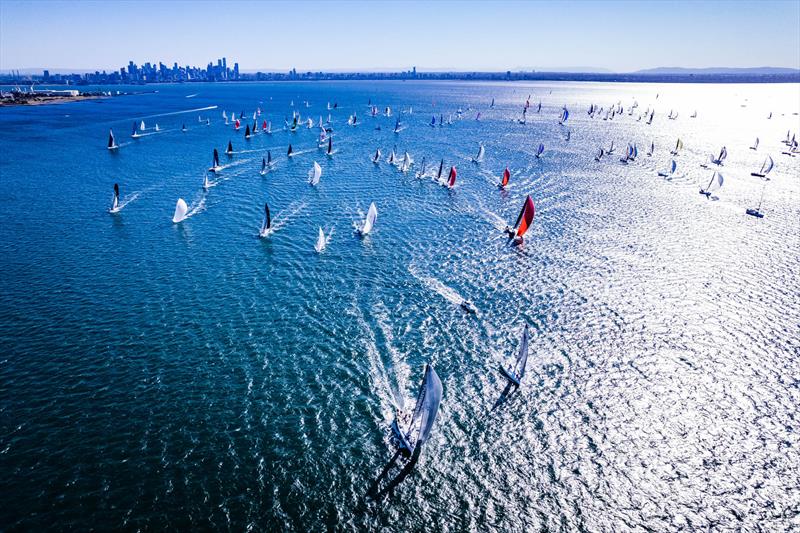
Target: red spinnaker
525 218
452 179
506 175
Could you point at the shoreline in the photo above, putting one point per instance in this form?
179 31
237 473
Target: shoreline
46 100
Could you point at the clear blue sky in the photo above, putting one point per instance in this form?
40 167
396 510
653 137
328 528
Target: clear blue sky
471 35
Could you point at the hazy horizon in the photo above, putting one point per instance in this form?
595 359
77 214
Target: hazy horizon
609 36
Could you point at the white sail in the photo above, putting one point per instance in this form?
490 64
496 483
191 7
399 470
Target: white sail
766 167
141 126
320 245
406 164
315 174
180 211
372 215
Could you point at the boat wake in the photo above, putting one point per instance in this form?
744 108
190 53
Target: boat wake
126 201
177 112
436 286
286 216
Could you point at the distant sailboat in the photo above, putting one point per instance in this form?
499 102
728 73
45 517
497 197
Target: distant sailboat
564 115
314 174
713 185
755 145
540 150
405 165
766 167
289 151
263 167
667 173
141 126
112 144
652 149
377 157
369 221
600 154
515 373
135 132
115 200
180 211
422 169
479 157
391 157
412 430
229 150
506 177
330 146
678 147
524 221
157 128
266 226
320 244
215 166
247 132
439 174
397 126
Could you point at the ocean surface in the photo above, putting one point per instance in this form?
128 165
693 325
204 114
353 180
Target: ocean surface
159 376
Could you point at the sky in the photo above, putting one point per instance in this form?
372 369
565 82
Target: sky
620 36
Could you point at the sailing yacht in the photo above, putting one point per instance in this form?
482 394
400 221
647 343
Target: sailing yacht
713 185
756 211
229 150
766 167
314 174
479 157
515 372
524 221
678 147
266 226
115 200
755 145
180 211
540 150
667 173
369 221
112 144
321 243
377 157
215 166
451 179
411 430
721 157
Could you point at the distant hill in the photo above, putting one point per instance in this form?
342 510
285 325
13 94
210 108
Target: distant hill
751 71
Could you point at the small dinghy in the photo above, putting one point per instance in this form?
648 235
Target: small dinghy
180 211
411 430
523 223
115 200
266 226
369 221
515 373
713 185
766 168
112 144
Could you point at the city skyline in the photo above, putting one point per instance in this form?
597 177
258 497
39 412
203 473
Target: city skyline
356 36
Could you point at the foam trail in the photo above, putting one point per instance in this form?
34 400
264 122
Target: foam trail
178 112
437 286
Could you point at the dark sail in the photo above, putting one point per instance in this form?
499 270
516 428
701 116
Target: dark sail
216 158
230 148
330 145
290 150
439 175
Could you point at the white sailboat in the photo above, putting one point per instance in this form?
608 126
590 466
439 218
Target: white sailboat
180 211
667 173
479 156
713 185
369 221
314 174
405 164
755 145
410 430
321 242
515 372
766 168
377 157
112 143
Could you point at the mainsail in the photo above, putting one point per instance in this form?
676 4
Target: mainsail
481 151
451 179
320 245
115 200
111 143
766 167
506 176
267 224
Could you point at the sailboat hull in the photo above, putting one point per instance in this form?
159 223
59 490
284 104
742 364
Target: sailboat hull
756 174
509 376
755 213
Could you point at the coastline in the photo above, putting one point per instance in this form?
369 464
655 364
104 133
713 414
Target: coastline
46 100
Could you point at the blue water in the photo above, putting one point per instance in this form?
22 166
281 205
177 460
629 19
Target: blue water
167 376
